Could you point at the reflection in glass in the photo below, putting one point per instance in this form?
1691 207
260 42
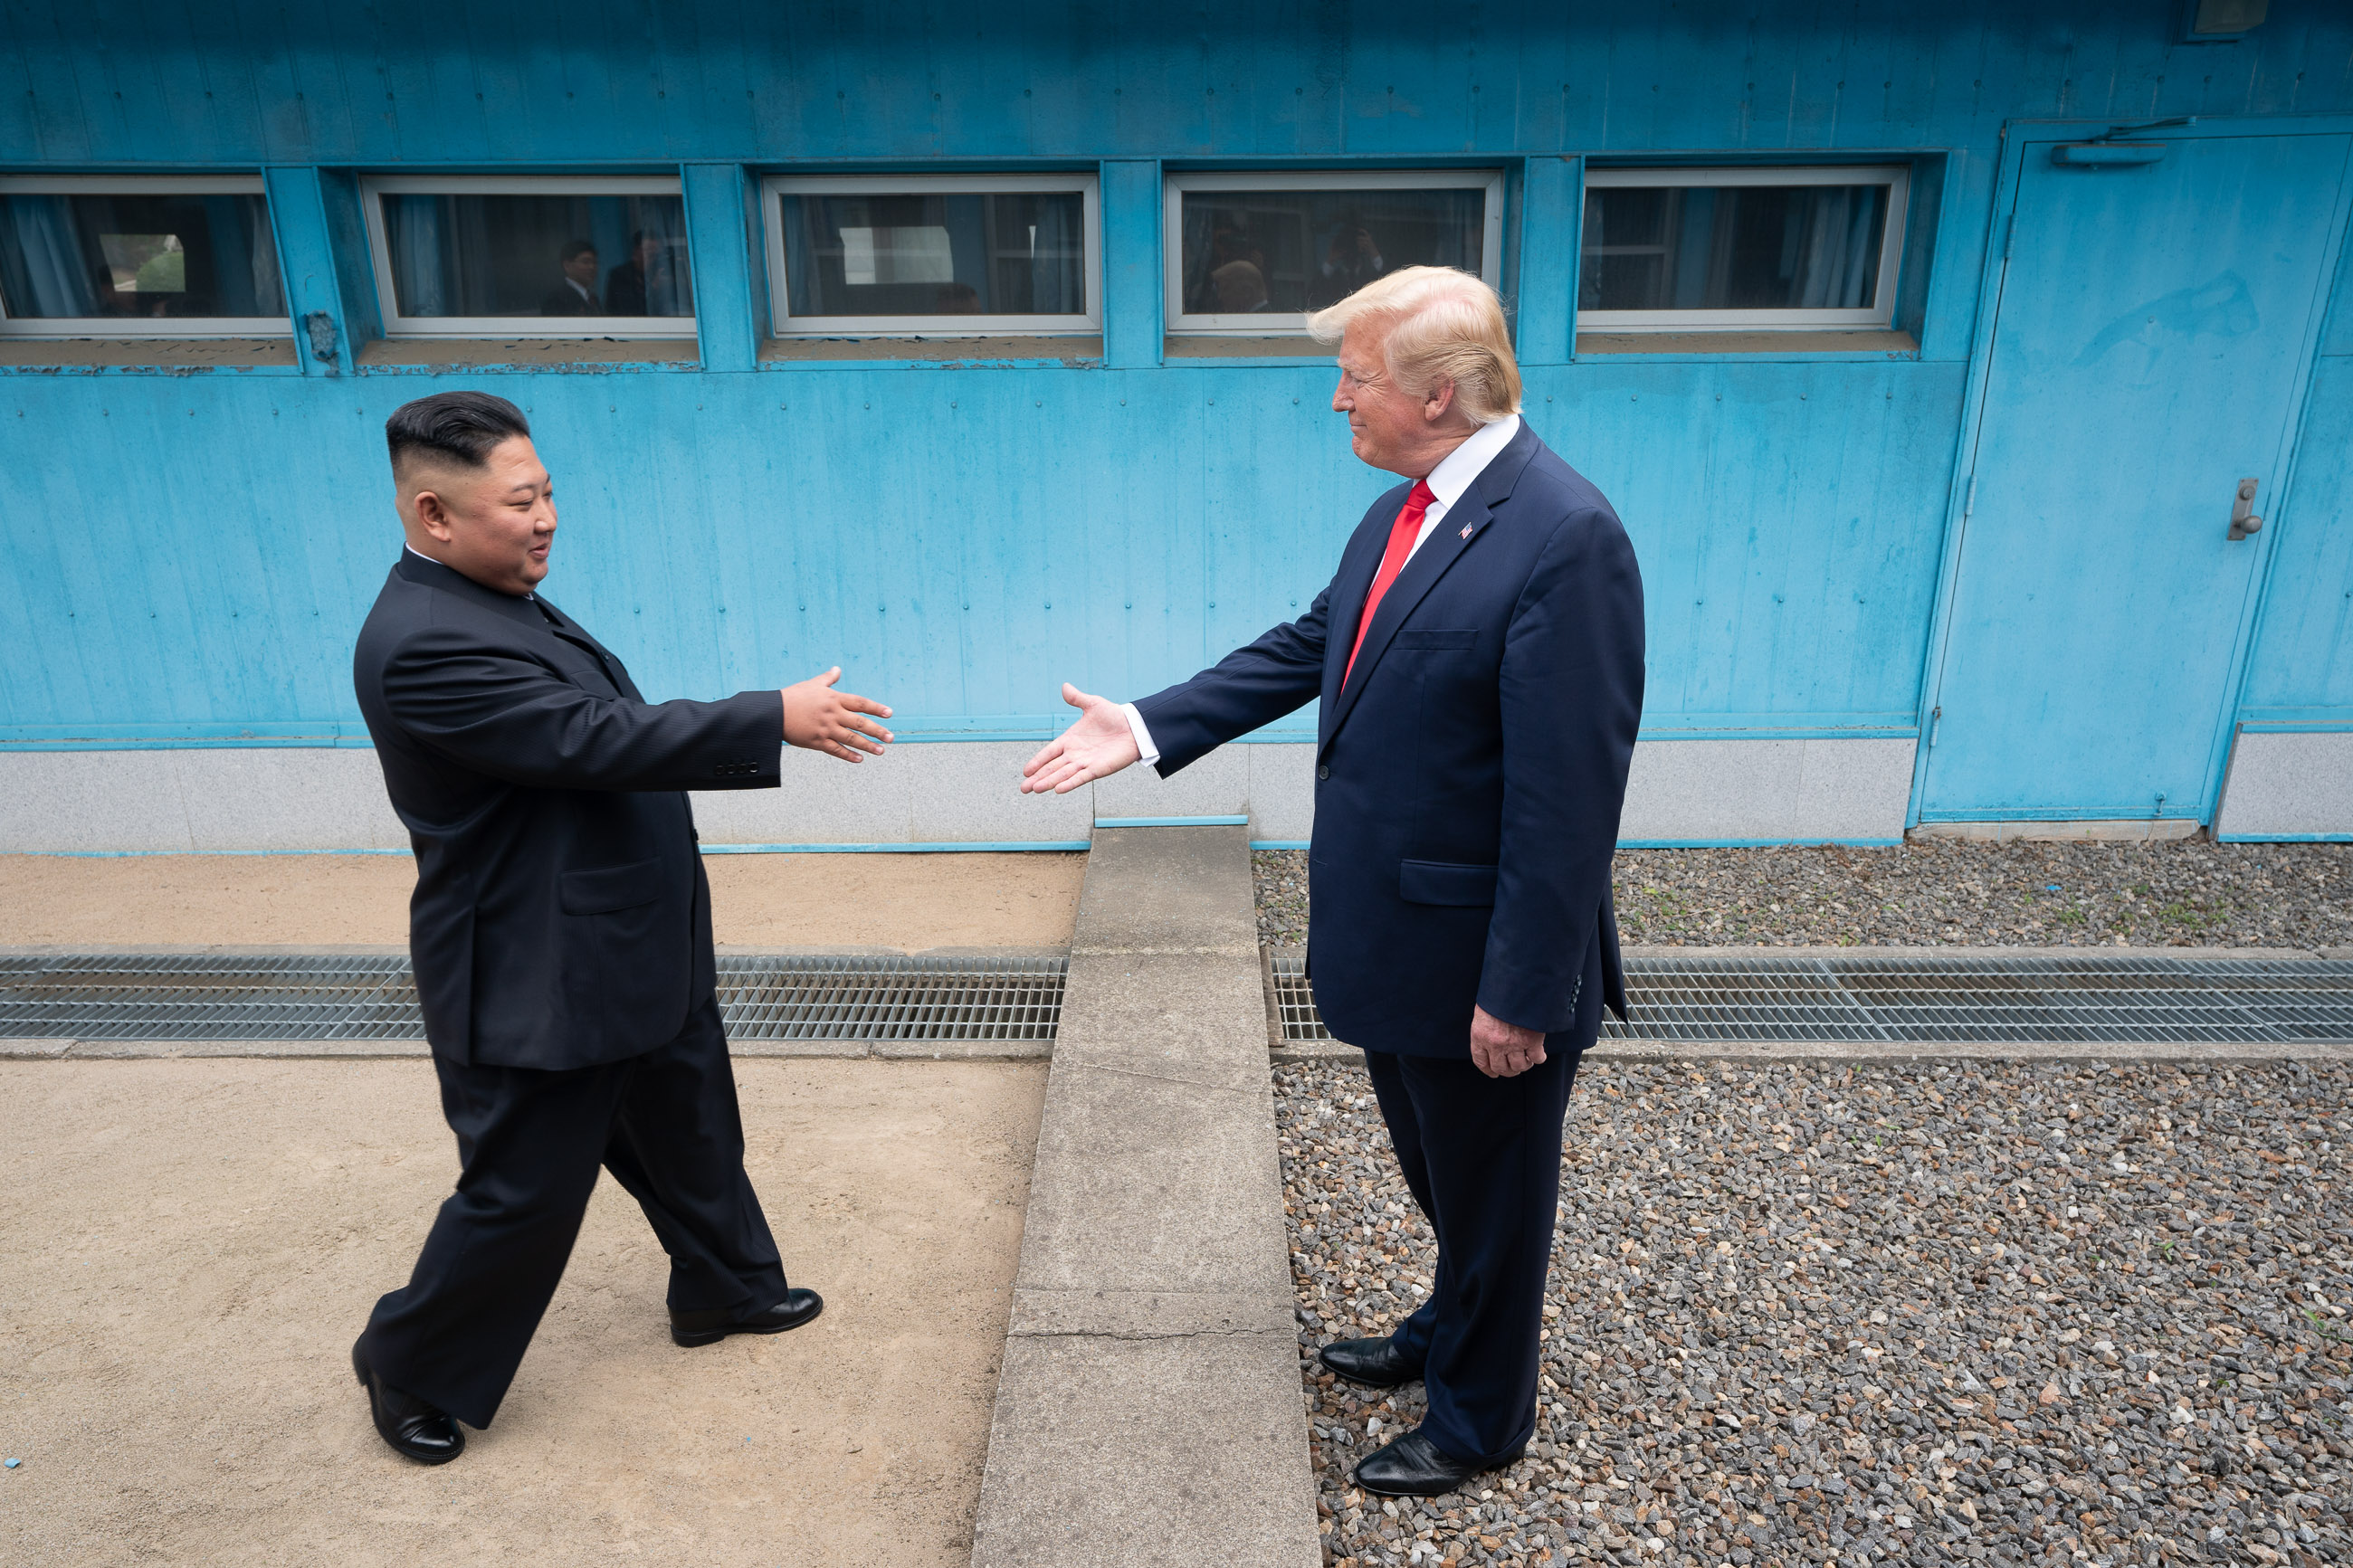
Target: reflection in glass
538 255
1732 247
1283 252
939 253
164 257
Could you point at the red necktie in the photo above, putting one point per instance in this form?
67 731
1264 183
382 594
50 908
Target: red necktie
1402 533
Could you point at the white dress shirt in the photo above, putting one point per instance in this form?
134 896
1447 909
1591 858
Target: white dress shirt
1447 482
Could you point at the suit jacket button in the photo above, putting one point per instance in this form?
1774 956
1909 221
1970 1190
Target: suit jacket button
1323 771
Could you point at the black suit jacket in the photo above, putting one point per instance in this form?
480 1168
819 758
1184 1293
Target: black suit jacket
1469 769
560 918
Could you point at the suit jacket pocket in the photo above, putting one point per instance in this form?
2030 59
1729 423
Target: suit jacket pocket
1435 638
1444 882
608 887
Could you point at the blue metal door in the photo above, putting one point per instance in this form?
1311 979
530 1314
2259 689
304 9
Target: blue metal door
2147 355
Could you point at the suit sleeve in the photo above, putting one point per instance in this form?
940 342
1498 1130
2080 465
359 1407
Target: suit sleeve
500 712
1280 673
1571 695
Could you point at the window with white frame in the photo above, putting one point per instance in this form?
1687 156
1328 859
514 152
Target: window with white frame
1254 253
932 256
1743 248
144 255
498 256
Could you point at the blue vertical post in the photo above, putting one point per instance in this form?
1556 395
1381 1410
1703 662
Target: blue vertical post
322 256
1132 262
1549 229
722 239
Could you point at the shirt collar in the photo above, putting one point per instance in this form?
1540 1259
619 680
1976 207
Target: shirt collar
1467 462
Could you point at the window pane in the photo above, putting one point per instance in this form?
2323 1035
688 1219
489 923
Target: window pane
940 253
1278 252
553 255
132 258
1732 247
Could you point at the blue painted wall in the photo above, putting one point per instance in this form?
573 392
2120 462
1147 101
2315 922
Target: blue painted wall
188 554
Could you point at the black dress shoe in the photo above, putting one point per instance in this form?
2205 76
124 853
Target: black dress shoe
1413 1466
708 1328
424 1432
1375 1363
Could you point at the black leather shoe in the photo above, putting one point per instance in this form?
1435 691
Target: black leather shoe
708 1328
1375 1363
1413 1466
423 1432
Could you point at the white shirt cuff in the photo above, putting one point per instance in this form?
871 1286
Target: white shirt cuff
1146 753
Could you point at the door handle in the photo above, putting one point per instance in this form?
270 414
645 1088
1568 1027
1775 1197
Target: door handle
2243 521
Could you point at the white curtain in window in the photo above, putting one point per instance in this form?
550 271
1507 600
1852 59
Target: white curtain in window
49 279
1835 252
1054 285
416 275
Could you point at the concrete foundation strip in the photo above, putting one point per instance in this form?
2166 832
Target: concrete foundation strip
1149 1409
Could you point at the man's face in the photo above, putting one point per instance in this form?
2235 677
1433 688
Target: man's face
649 250
582 268
493 524
1386 427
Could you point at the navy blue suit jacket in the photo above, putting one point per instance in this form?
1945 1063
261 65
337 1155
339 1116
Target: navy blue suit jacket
1471 771
560 918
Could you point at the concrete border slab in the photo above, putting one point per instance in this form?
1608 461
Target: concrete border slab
1149 1411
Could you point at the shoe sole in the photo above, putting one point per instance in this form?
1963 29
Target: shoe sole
689 1338
360 1371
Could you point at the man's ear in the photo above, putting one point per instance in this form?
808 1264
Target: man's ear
432 515
1437 401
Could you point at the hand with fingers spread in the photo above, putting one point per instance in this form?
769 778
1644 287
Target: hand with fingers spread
821 719
1501 1049
1097 746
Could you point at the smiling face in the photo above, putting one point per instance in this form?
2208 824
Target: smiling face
1389 427
494 524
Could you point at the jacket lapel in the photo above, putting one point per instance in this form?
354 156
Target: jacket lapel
1465 522
1455 533
567 628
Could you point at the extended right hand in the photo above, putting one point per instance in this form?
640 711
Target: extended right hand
1096 747
821 719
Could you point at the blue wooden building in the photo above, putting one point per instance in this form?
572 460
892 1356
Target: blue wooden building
1977 383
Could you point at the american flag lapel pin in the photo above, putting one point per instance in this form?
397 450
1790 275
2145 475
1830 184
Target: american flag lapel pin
1467 528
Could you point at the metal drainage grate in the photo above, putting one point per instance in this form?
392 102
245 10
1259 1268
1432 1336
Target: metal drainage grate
337 996
1928 997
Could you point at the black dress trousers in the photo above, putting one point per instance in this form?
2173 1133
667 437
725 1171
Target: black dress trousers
665 1123
1482 1158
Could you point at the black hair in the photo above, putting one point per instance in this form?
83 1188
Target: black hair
461 427
577 247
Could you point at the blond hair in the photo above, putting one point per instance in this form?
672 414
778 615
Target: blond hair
1443 325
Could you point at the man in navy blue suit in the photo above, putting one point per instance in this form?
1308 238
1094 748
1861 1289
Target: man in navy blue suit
1478 659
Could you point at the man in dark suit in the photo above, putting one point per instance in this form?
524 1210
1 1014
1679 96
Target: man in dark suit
560 929
574 293
1478 659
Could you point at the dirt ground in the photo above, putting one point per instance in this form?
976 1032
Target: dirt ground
187 1249
906 902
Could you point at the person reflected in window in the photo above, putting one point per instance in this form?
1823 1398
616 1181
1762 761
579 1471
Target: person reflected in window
956 299
644 275
1240 289
1352 260
576 295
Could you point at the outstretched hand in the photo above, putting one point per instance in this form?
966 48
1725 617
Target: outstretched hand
1095 747
821 719
1501 1049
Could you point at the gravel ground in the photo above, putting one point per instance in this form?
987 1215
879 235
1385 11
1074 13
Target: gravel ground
2187 893
1924 1313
